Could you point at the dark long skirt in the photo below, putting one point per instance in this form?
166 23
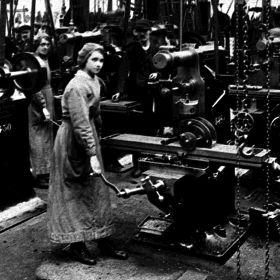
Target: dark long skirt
79 206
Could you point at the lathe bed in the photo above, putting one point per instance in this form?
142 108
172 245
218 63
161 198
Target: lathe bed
218 153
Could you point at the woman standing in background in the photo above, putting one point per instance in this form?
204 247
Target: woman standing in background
41 111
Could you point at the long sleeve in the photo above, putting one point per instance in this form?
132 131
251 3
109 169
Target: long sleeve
79 116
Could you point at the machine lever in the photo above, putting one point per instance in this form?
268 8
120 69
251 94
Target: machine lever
55 123
111 185
126 193
142 189
159 196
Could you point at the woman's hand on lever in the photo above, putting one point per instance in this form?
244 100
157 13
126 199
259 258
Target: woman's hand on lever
95 166
47 114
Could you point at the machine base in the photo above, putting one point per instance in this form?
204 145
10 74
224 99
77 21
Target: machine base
218 247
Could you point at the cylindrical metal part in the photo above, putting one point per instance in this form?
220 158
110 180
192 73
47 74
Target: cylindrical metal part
126 193
22 73
164 59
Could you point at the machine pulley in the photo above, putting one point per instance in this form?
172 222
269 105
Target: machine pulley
27 71
194 132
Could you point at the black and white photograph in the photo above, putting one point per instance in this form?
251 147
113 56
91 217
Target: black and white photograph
139 139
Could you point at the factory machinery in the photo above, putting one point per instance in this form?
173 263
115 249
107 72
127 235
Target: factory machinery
25 74
211 126
192 164
207 127
189 174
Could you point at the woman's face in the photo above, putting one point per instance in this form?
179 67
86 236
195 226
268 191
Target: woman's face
44 47
94 63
